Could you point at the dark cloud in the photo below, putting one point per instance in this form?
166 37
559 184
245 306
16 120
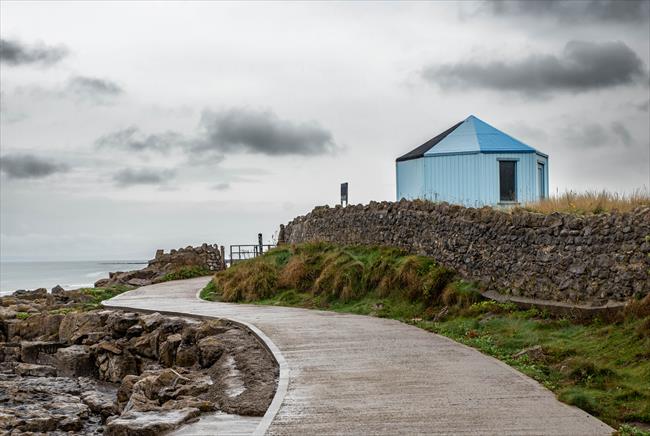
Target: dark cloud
93 88
231 131
250 131
143 176
13 52
27 166
577 11
622 133
132 139
582 66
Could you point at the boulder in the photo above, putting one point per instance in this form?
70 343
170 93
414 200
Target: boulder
102 283
210 350
152 423
57 290
76 325
114 367
186 355
151 321
31 352
31 369
75 361
168 349
119 322
101 403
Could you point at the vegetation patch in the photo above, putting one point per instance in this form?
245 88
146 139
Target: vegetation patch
186 272
591 202
97 295
602 368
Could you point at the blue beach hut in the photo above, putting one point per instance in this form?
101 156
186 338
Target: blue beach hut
473 164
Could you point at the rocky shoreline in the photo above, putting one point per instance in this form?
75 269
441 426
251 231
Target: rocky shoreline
63 369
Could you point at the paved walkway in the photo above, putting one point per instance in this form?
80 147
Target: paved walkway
350 374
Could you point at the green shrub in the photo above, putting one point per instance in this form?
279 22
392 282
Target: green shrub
22 315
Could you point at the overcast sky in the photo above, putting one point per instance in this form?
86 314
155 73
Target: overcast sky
128 127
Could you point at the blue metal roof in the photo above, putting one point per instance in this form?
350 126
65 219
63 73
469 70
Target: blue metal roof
470 136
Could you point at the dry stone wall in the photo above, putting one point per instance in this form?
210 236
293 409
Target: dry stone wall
587 259
207 257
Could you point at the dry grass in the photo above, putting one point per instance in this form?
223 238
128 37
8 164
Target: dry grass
592 202
334 273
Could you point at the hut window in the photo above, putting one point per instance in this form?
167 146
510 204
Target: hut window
507 180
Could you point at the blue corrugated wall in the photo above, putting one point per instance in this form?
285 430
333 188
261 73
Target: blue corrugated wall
468 179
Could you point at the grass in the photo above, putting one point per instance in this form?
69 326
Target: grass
97 295
22 315
186 272
591 202
602 368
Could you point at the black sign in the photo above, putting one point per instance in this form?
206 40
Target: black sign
344 193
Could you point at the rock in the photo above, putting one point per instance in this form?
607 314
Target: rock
42 326
168 349
75 361
30 351
76 325
115 367
151 322
110 347
120 322
58 290
186 355
101 283
101 403
533 353
134 423
138 282
210 350
134 331
126 389
146 345
185 402
34 370
211 328
31 295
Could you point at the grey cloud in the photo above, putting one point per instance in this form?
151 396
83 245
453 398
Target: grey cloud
587 135
93 88
27 166
143 176
132 139
582 66
221 186
231 131
250 131
586 11
643 107
14 52
593 135
622 133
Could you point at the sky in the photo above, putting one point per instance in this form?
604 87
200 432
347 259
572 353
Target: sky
127 127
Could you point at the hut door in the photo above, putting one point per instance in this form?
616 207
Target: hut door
540 180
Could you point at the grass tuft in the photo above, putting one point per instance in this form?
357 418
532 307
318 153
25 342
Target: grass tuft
591 202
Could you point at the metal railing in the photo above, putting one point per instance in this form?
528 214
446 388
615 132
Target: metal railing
243 252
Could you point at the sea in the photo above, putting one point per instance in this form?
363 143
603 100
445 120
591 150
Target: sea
69 275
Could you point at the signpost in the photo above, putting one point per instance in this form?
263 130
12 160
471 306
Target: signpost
344 194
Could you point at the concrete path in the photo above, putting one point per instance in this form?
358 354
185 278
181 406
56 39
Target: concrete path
350 374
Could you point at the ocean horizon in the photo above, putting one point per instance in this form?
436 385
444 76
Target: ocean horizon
29 275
